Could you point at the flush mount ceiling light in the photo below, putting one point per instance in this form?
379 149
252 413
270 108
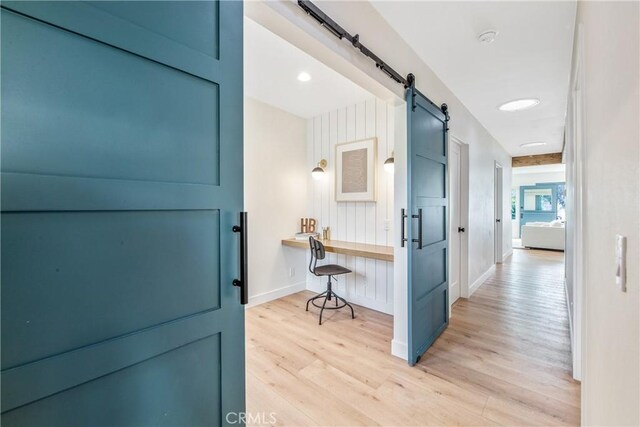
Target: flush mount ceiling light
519 104
487 37
304 76
533 144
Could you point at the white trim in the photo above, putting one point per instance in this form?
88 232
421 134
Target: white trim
566 297
451 287
480 280
400 290
275 294
507 254
575 150
581 261
399 349
464 215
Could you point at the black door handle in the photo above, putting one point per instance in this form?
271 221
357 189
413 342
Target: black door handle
244 262
497 220
460 229
419 239
403 239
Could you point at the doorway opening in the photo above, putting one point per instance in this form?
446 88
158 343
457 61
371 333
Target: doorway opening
538 207
294 125
300 115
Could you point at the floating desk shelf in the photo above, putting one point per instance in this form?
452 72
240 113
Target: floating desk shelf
384 253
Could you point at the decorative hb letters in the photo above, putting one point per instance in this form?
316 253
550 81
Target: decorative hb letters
307 225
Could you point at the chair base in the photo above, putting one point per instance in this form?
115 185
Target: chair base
328 295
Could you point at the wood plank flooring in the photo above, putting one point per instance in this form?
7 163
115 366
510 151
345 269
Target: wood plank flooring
503 360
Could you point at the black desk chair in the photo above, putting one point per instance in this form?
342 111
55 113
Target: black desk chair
329 270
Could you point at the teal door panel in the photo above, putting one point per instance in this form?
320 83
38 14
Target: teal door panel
428 228
121 182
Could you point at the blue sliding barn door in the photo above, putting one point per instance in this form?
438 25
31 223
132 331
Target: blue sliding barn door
121 182
428 223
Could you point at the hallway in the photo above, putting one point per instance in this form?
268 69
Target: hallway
503 360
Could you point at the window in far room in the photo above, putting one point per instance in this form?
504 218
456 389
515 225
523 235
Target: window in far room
561 194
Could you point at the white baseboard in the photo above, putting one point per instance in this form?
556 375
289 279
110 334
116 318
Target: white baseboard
575 352
507 254
399 349
568 301
480 280
275 294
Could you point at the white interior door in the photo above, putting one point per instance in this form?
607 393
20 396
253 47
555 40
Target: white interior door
455 244
498 214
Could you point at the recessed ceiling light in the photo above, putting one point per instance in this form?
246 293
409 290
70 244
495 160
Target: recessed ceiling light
304 76
519 104
533 144
487 37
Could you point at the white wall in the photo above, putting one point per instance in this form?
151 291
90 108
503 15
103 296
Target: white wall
483 152
289 21
529 178
604 155
275 197
371 284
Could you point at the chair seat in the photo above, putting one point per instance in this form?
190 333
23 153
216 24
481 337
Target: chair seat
331 269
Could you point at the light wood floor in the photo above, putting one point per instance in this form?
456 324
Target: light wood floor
503 360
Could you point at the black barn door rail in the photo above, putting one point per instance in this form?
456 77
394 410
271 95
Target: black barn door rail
341 33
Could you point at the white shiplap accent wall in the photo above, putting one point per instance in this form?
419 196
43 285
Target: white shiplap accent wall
371 284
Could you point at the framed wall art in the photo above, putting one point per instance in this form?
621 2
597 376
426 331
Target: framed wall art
356 171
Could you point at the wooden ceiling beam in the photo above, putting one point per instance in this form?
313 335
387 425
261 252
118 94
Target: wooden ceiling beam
536 160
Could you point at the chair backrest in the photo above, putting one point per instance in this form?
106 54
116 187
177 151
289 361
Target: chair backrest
317 252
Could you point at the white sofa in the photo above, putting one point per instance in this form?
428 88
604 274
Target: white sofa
543 235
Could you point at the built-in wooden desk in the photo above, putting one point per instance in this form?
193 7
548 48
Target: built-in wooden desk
384 253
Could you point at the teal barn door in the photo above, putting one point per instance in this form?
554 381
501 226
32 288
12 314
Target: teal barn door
121 183
427 182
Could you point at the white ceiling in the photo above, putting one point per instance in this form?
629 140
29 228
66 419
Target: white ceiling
530 58
271 68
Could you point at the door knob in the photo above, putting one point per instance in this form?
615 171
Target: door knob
497 220
460 229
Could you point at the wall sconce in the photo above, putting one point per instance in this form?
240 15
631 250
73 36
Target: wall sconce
318 171
389 164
